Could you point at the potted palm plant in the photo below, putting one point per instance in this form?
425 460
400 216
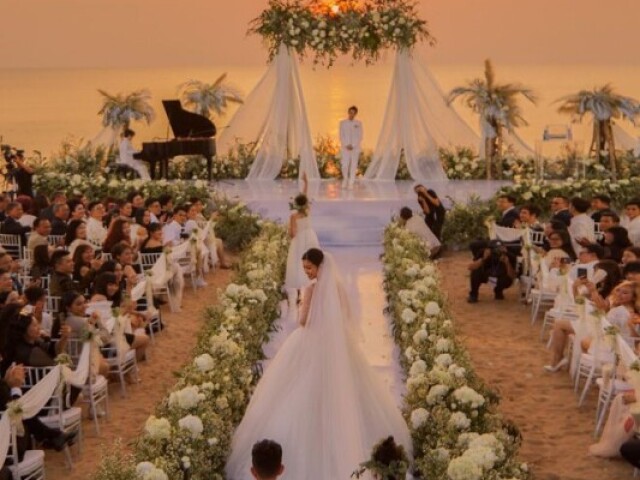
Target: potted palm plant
498 108
209 98
604 105
118 111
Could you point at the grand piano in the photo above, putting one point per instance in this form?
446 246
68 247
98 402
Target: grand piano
193 136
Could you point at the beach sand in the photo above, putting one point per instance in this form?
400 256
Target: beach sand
171 350
505 350
508 354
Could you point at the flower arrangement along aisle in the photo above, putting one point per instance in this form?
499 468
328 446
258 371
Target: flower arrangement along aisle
361 27
457 433
192 427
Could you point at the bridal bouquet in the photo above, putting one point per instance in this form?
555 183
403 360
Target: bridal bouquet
452 415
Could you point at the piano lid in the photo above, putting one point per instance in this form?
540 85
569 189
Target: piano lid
187 124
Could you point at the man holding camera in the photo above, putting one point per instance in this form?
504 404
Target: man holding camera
496 267
23 175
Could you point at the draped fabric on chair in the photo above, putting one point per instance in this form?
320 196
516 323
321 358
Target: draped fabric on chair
37 397
416 124
274 116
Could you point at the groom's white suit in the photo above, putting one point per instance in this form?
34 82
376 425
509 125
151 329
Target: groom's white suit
350 135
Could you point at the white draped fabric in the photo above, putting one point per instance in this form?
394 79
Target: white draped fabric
625 141
108 137
37 397
274 116
417 122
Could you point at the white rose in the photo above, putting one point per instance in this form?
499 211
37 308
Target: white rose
432 309
459 421
187 398
418 367
157 428
193 424
408 315
420 336
464 468
204 362
418 417
144 467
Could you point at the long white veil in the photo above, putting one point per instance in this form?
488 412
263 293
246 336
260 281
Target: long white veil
274 115
319 398
417 123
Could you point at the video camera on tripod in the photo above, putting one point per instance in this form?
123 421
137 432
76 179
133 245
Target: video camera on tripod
10 154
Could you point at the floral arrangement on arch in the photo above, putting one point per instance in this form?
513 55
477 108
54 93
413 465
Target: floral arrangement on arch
329 28
452 416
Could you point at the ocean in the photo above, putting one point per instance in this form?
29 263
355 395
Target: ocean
41 107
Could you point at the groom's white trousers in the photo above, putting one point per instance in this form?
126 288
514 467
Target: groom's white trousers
349 163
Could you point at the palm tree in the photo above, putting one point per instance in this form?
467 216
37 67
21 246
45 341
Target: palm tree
604 104
497 105
205 98
118 111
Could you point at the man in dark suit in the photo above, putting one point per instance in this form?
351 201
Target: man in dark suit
62 279
509 214
12 226
60 217
560 209
58 198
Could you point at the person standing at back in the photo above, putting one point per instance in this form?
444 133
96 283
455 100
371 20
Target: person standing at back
350 144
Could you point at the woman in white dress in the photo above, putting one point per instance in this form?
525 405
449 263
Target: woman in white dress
319 398
302 239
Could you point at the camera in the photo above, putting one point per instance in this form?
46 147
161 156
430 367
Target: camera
10 155
497 249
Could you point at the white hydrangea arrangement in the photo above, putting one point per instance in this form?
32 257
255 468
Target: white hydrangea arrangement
450 413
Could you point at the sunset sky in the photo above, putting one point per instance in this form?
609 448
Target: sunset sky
128 33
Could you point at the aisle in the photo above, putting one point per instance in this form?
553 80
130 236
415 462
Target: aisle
362 273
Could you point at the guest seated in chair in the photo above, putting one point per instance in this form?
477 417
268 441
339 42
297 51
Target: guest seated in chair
266 460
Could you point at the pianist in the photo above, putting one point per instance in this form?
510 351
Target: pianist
126 155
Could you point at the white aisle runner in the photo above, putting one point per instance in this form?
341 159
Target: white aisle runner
362 273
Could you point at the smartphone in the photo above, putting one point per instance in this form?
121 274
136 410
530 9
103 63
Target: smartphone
581 272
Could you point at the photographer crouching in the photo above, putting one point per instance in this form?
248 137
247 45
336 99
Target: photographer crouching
493 265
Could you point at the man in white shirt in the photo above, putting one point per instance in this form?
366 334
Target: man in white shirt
40 234
631 220
350 141
417 226
96 232
582 226
126 155
174 233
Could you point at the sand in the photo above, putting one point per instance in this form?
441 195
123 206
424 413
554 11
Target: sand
508 354
171 350
504 347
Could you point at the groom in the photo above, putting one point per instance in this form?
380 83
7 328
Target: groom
266 460
350 140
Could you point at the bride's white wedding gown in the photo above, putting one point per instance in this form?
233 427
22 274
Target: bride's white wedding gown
319 398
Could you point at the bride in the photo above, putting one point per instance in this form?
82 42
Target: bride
319 398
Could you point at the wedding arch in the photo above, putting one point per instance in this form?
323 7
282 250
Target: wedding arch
273 118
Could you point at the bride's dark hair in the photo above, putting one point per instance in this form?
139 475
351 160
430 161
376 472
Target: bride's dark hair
314 255
388 453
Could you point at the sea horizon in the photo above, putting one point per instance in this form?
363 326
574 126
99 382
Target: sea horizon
44 106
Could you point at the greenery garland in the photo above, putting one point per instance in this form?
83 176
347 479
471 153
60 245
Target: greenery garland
192 428
457 432
329 28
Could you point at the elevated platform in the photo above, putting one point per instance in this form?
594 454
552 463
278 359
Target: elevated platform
355 217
